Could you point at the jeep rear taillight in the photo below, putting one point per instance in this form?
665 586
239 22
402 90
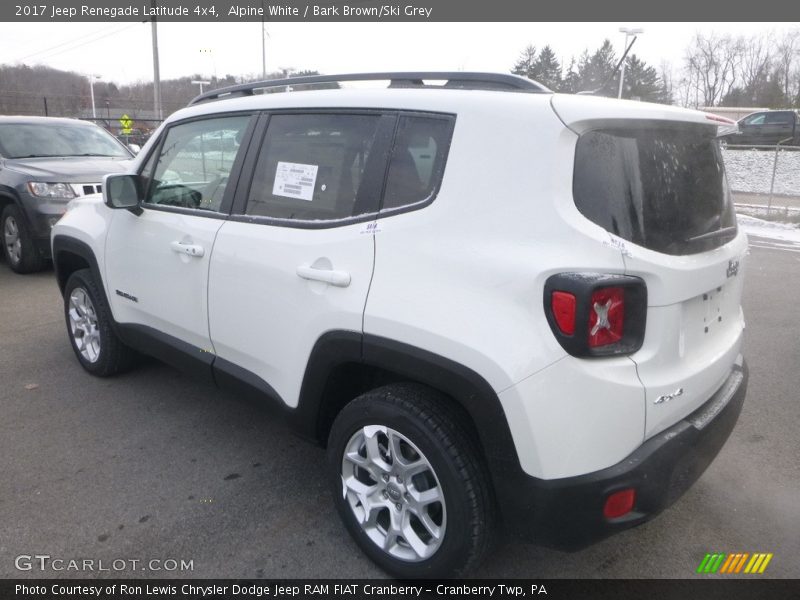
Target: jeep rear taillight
595 314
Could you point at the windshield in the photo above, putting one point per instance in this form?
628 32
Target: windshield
34 140
661 188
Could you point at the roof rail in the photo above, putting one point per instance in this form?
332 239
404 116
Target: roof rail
413 79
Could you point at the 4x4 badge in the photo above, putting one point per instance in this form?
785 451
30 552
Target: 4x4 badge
668 397
733 267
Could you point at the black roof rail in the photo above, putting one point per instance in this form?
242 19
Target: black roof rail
411 79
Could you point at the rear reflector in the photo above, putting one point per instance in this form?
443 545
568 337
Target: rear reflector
607 316
563 305
619 503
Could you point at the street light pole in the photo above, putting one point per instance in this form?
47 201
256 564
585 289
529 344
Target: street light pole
91 92
628 32
201 84
156 72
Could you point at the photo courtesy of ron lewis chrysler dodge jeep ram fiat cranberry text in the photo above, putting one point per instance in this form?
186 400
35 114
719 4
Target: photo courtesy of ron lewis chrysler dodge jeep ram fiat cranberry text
499 308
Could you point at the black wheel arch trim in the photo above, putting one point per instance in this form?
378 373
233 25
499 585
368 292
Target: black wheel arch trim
65 244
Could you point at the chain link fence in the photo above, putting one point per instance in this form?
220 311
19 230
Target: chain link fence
765 180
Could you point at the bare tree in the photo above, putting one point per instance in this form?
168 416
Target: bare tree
712 63
787 58
756 63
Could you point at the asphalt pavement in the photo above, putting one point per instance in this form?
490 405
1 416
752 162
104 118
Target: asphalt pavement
152 466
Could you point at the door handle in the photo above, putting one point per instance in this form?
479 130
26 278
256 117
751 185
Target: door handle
190 249
337 278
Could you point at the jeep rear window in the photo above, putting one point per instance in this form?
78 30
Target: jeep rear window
663 188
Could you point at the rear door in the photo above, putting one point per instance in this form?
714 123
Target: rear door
295 260
778 126
658 187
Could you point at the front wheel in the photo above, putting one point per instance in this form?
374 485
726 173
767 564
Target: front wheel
20 250
89 325
410 484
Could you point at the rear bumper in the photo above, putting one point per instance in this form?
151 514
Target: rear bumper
567 513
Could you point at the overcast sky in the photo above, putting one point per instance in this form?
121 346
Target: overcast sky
121 52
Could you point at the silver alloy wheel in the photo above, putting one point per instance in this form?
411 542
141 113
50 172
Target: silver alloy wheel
394 493
12 240
83 325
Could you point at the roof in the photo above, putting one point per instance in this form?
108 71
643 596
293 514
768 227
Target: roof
485 103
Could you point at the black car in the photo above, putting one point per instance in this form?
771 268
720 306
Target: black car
767 128
44 163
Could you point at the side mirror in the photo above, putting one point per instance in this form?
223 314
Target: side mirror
123 191
135 148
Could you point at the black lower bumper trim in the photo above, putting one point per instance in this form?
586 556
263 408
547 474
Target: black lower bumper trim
567 513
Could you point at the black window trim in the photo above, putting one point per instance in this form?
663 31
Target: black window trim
243 189
236 169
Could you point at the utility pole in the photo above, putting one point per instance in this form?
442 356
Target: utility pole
91 92
263 45
156 75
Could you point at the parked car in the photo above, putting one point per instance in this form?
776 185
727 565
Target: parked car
44 163
499 309
767 128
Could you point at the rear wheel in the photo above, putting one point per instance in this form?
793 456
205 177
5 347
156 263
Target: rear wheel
18 245
410 484
89 325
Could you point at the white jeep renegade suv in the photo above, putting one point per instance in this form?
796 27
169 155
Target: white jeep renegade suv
498 307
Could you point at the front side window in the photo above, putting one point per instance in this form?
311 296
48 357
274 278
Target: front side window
755 119
34 140
417 162
194 163
311 167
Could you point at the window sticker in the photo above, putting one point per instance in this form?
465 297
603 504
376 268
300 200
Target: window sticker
295 180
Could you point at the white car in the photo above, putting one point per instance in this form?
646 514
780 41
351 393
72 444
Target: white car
499 308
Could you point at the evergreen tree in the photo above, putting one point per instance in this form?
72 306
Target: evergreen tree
594 71
525 65
643 83
547 70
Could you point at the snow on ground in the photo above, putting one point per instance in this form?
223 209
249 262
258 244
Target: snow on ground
769 234
751 171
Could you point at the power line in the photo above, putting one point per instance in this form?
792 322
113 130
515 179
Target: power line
74 44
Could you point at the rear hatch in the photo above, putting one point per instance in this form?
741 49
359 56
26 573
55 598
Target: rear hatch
653 178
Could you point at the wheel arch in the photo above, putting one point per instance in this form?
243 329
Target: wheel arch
70 255
345 364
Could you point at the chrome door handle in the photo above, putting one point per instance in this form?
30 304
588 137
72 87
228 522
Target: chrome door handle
337 278
190 249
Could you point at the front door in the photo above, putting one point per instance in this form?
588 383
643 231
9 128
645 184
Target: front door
157 261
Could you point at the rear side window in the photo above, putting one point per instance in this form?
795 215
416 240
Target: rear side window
783 118
661 188
418 158
312 166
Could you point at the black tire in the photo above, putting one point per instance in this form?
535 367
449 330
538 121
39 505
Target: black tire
112 356
428 420
26 257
